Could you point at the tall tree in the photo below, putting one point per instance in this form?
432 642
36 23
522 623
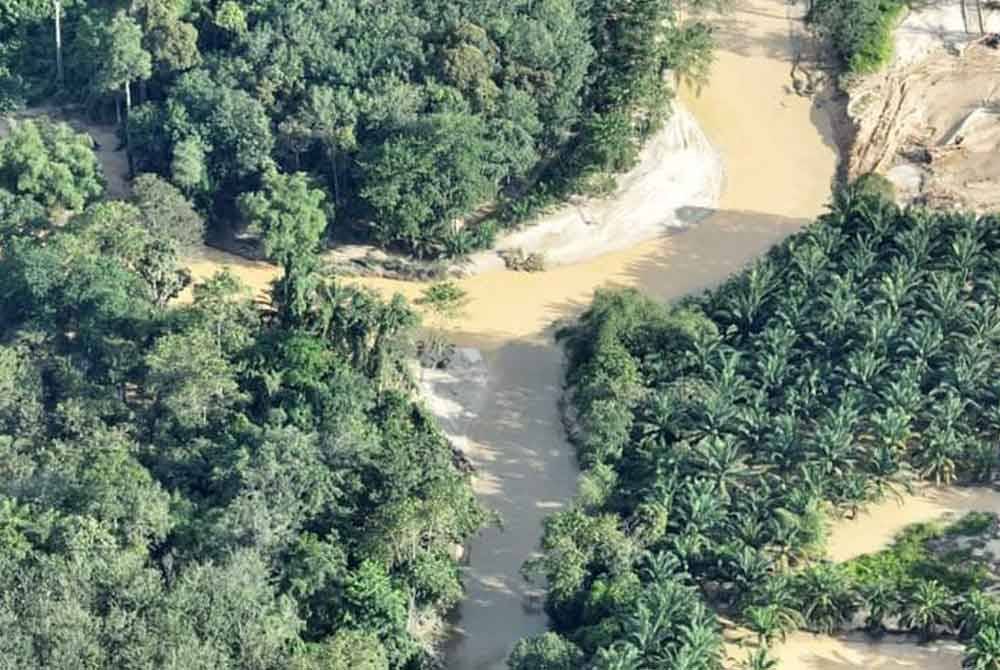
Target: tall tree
125 61
291 219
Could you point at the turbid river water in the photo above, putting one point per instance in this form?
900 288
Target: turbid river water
780 163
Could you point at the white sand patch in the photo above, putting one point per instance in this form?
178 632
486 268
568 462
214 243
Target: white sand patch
940 25
455 394
804 651
677 168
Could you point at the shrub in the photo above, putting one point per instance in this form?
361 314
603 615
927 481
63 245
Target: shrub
875 184
860 31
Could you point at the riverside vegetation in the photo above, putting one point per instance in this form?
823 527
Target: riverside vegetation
717 436
219 484
411 114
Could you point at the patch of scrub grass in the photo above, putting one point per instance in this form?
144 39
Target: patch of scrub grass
911 558
973 523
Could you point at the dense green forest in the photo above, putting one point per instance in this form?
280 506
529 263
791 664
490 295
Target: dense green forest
217 483
412 115
719 435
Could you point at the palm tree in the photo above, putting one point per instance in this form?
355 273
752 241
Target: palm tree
927 609
893 428
937 458
984 652
747 298
722 462
828 597
890 475
662 418
747 568
978 611
768 623
943 298
619 656
881 599
966 249
759 659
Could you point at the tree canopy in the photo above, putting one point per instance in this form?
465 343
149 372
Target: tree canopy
211 484
411 114
50 163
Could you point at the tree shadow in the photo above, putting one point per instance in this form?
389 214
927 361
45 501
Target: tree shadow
526 470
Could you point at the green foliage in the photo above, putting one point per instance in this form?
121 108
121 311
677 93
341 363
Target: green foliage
723 431
290 217
50 163
972 524
125 60
910 560
203 486
445 299
426 178
984 652
412 114
167 214
20 215
874 184
860 31
547 651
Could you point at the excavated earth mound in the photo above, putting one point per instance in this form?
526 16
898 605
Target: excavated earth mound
931 121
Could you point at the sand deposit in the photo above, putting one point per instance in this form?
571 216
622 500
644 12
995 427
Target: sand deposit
874 529
677 169
804 651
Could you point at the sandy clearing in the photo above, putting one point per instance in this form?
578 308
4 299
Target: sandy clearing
940 25
804 651
875 528
931 121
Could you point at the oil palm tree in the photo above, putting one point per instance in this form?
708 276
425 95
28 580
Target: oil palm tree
619 656
828 597
720 461
759 659
978 611
984 652
927 609
881 599
937 458
766 623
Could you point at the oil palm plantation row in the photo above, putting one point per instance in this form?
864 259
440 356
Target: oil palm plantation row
718 435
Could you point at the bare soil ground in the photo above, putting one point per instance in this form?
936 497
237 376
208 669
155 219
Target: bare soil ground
931 121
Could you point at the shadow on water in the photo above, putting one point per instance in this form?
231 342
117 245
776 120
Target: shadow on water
706 254
525 471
